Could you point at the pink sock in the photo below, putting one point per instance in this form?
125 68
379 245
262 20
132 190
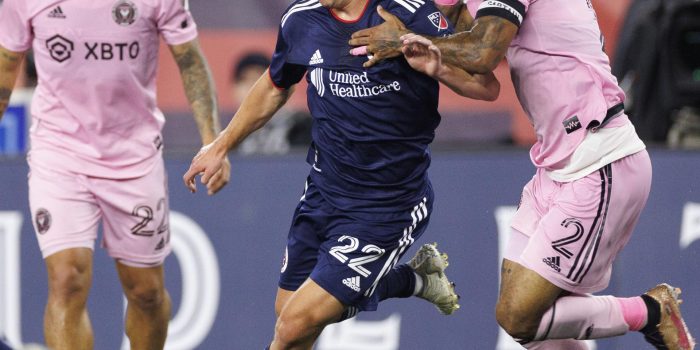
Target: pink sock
635 312
582 317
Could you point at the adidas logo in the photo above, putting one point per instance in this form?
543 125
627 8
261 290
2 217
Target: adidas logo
316 58
57 13
160 245
353 283
553 262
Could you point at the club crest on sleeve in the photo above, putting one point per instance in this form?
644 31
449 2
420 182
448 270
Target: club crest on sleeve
437 19
124 13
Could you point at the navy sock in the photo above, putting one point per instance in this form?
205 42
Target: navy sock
398 283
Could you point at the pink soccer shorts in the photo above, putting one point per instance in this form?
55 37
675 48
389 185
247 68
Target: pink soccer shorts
67 208
570 233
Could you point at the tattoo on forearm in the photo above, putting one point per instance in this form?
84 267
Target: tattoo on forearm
199 90
481 48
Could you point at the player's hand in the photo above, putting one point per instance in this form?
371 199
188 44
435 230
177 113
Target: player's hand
210 161
381 41
421 54
220 179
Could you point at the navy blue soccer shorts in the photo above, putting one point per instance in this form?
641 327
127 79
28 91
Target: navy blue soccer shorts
347 254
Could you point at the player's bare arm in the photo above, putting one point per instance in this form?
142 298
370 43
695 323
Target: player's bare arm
199 88
262 102
478 50
425 57
9 68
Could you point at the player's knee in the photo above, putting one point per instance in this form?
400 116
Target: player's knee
69 284
292 329
146 297
516 321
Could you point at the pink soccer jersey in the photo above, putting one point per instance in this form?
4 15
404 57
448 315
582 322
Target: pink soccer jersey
561 75
94 111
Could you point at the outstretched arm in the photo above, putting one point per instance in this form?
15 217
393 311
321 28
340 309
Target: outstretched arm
9 68
199 88
425 57
263 100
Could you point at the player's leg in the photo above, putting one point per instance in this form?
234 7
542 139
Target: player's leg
66 321
302 319
148 309
137 236
551 262
65 219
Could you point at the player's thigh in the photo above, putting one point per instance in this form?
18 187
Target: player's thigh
309 309
524 295
281 299
64 212
135 217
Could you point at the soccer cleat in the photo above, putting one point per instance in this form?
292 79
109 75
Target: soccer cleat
430 265
671 333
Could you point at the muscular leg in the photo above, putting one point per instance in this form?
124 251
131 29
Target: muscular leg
148 311
283 296
531 308
524 298
303 317
66 322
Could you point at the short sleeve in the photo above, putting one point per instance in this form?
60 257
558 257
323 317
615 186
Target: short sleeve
511 10
282 73
175 22
15 27
422 17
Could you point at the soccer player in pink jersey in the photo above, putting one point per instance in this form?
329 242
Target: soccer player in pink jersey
573 218
96 148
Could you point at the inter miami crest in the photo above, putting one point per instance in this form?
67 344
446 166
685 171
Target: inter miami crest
42 219
438 20
124 13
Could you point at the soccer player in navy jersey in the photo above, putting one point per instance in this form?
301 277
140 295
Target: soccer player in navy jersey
368 196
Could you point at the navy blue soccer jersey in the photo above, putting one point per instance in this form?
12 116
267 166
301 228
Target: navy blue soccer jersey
371 126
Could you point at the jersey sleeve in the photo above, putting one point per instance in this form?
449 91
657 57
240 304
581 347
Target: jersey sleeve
422 17
511 10
175 22
15 27
283 73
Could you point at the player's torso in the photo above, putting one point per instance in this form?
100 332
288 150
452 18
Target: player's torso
102 39
390 98
561 74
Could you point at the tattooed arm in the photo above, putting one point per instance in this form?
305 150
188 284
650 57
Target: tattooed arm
199 88
478 50
9 69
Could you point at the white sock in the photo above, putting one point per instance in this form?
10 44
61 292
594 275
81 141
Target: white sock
419 284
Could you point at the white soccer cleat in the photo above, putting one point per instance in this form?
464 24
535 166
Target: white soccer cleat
430 265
